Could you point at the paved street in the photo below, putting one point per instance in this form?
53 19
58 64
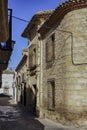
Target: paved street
14 117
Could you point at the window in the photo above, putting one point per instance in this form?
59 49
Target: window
32 58
51 94
33 32
19 79
50 46
23 76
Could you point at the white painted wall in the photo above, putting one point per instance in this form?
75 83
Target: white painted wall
7 80
1 90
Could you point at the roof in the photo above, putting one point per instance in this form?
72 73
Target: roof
42 14
8 71
25 51
60 11
21 62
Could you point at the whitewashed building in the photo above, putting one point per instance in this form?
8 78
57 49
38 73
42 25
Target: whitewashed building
7 82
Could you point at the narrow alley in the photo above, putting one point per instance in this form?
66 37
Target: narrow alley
13 117
43 65
16 117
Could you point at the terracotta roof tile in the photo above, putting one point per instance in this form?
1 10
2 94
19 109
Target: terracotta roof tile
60 11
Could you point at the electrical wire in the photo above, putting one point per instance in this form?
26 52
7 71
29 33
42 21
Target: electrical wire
20 19
61 30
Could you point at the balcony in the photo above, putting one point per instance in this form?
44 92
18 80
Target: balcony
6 47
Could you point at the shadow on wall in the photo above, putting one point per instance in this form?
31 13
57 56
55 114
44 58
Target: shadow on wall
5 99
31 101
4 95
16 117
28 98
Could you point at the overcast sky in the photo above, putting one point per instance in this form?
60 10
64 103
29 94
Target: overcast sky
25 9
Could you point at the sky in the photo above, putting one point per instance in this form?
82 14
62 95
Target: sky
25 9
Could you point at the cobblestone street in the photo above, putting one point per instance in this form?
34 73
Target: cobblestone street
14 117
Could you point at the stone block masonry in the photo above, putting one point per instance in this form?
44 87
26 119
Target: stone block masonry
69 68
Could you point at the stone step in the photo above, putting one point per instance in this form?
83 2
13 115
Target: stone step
50 125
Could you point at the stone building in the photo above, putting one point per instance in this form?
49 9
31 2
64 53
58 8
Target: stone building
21 79
31 34
56 81
14 86
63 66
7 82
6 42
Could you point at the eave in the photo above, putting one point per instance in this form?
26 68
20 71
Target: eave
34 21
59 13
21 63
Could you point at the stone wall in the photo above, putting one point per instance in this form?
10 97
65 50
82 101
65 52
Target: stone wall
69 68
22 81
